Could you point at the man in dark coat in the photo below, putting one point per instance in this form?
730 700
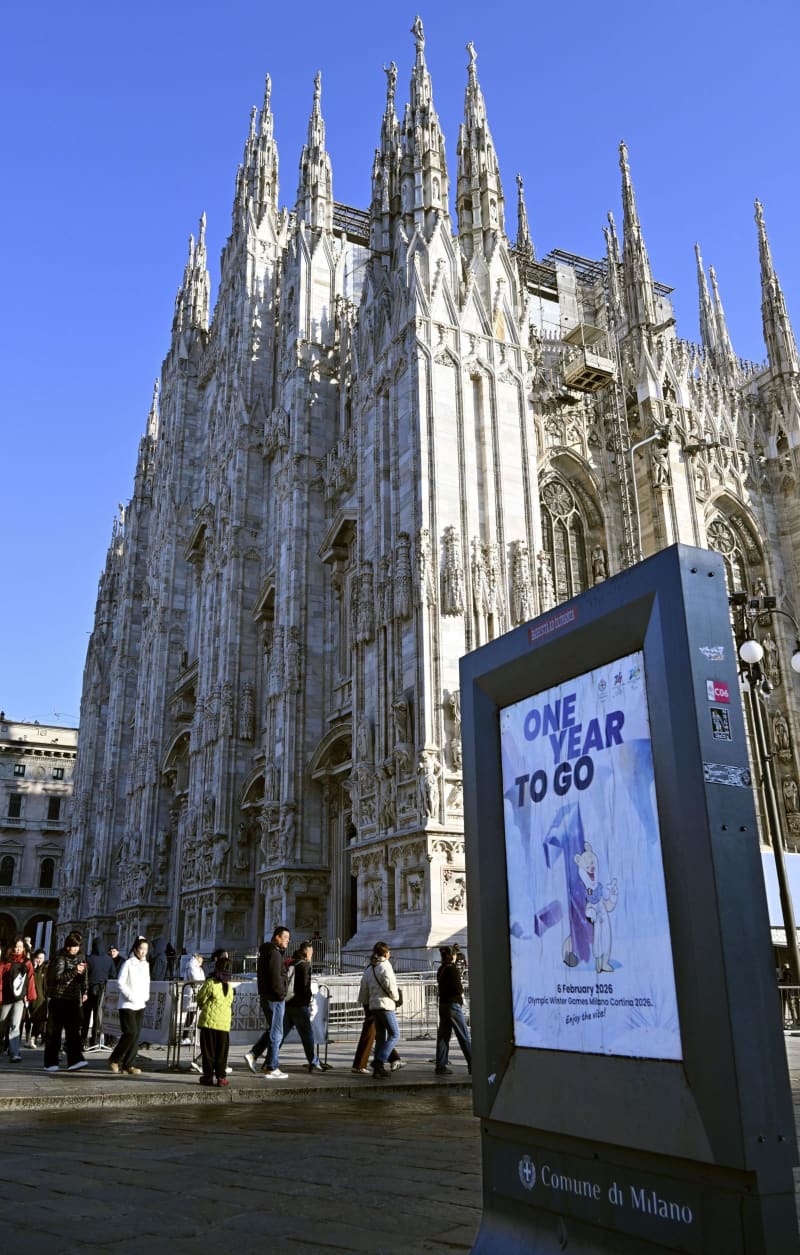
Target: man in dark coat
451 1013
273 981
67 989
100 968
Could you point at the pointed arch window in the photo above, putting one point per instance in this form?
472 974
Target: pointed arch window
564 530
723 539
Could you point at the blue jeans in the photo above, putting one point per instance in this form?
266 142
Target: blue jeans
387 1035
272 1038
11 1014
452 1020
300 1018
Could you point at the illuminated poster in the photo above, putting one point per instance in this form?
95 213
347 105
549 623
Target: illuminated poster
591 958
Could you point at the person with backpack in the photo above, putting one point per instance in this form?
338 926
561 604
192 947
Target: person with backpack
17 984
273 982
215 1001
101 969
298 1006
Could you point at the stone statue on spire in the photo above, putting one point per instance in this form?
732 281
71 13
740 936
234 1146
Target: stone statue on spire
419 34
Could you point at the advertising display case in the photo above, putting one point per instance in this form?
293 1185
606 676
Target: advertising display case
628 1062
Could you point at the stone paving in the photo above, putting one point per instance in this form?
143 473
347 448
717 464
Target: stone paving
327 1164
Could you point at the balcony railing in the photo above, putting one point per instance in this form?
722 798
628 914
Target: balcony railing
27 891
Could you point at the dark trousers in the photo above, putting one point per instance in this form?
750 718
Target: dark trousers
367 1040
93 1013
130 1024
64 1015
214 1043
300 1018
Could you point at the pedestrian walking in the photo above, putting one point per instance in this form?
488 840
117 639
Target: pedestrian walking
298 1007
273 981
215 1003
193 977
380 993
100 968
366 1041
67 991
35 1018
17 984
451 1013
134 992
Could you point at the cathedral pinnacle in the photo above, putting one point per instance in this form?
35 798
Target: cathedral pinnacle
192 302
778 333
638 280
315 187
727 357
479 196
257 177
152 417
524 242
708 323
423 166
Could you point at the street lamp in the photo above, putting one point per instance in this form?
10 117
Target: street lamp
757 686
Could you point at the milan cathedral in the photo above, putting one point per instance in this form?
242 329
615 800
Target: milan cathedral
399 435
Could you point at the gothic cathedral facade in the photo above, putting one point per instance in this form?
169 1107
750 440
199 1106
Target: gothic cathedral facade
396 438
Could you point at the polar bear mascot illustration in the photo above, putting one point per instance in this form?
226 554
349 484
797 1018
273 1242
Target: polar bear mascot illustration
600 902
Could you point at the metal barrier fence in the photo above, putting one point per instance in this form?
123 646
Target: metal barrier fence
337 1016
417 1017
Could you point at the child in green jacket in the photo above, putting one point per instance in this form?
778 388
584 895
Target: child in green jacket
215 1003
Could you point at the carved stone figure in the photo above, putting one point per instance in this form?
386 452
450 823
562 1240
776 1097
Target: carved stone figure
402 721
402 576
546 591
226 709
374 898
292 660
364 740
427 579
454 702
246 712
772 667
480 598
386 809
219 855
242 858
365 618
286 832
452 574
521 592
429 770
659 467
780 736
209 810
791 798
599 570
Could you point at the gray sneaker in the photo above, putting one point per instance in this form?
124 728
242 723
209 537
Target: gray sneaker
250 1060
276 1075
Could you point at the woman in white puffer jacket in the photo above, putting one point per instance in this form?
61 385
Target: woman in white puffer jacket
134 992
380 993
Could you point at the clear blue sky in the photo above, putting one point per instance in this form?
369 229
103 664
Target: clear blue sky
123 123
